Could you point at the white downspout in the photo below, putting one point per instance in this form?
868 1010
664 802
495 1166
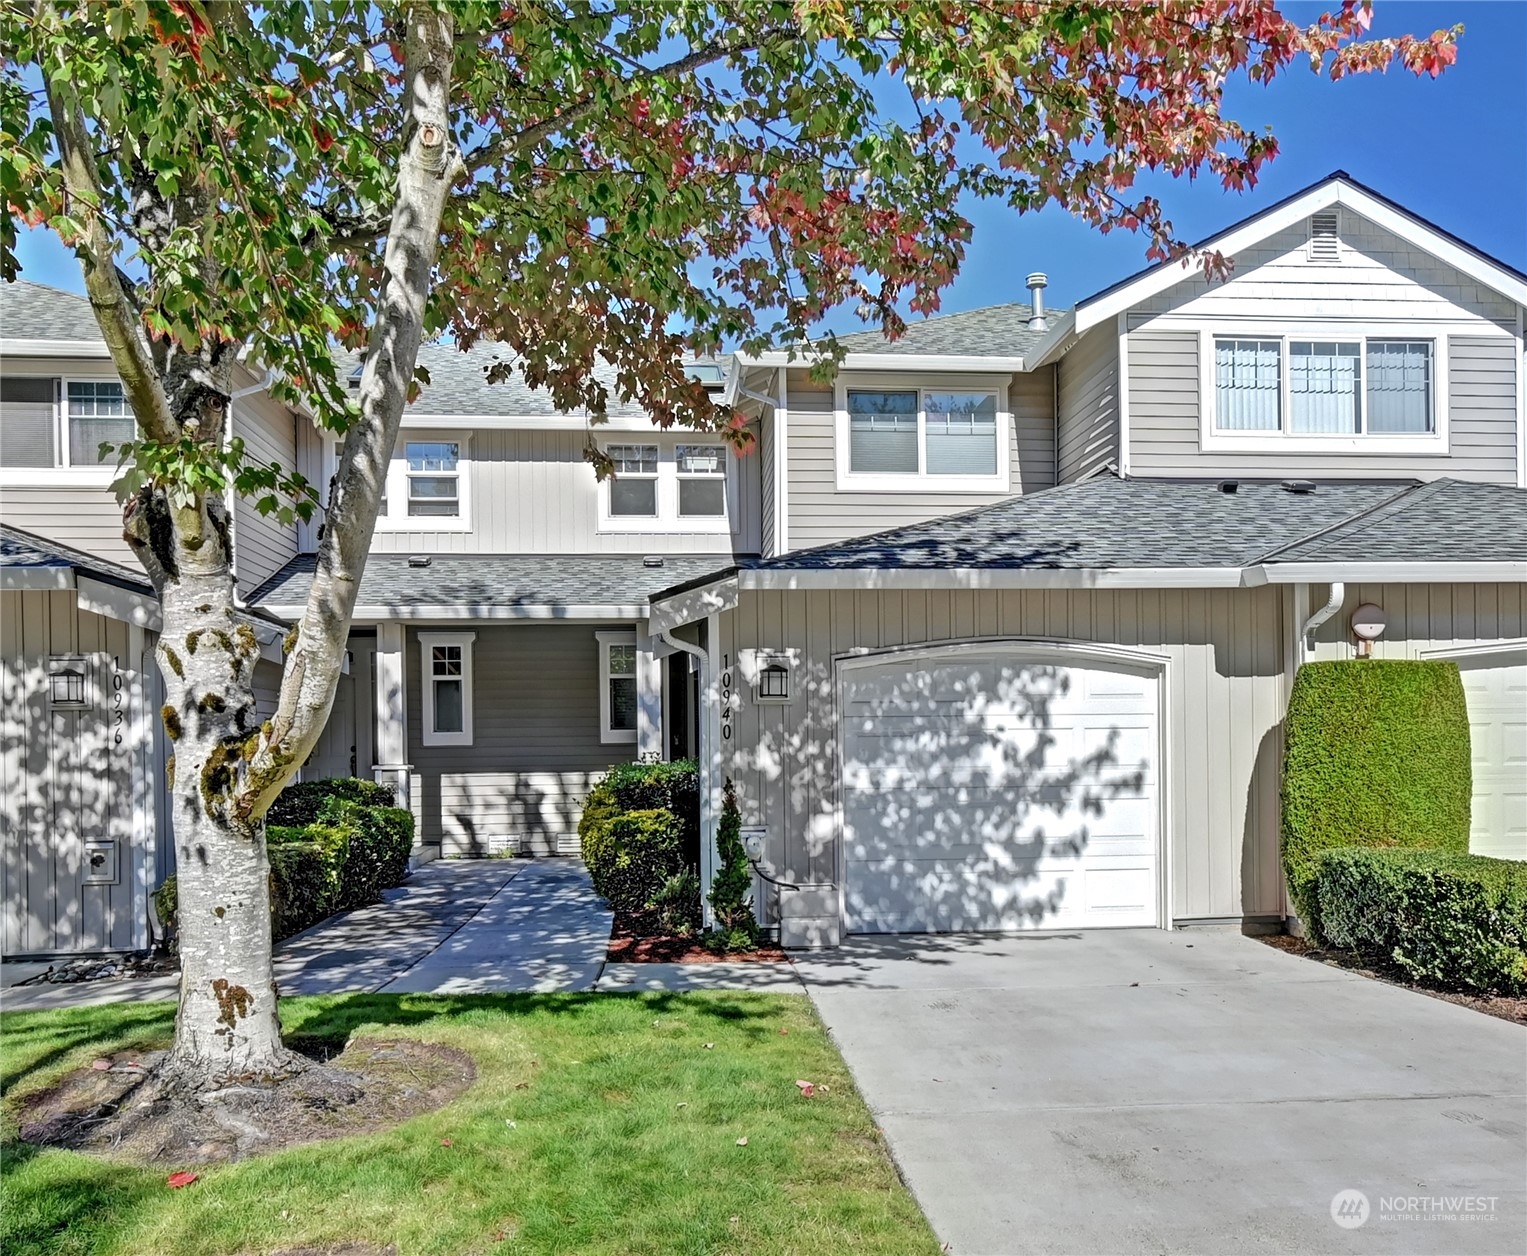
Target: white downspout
708 752
1333 604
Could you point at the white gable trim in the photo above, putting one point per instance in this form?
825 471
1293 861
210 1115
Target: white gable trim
1335 192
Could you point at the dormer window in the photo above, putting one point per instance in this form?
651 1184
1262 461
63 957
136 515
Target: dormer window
892 436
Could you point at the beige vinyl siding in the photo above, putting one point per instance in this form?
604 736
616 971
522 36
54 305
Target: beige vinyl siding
820 514
85 517
1164 422
1426 617
1088 406
535 751
531 492
262 545
1223 707
66 781
1380 278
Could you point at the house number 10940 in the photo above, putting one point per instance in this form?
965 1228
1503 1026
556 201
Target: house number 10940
726 697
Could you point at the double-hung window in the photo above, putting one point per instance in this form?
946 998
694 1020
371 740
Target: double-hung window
701 472
434 478
922 439
446 686
617 686
427 483
53 424
98 413
1310 391
633 485
666 487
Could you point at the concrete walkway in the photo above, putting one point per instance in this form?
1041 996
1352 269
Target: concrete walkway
1194 1092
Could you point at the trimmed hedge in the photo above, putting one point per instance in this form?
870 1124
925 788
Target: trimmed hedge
671 787
632 856
304 802
344 858
1458 921
1376 755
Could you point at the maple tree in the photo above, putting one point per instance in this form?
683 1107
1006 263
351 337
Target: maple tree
571 180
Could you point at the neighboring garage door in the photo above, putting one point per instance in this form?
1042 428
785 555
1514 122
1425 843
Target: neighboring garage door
1496 688
999 788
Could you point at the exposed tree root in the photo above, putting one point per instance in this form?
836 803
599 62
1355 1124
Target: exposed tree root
137 1108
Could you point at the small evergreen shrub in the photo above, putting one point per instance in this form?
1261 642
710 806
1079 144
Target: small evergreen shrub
377 844
1459 921
676 905
635 855
301 882
671 787
731 894
301 803
1376 754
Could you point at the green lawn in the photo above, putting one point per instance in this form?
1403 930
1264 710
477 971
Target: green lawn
601 1156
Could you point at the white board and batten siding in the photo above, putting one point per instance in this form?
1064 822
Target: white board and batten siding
76 783
536 749
1379 282
1483 628
1222 704
530 491
821 513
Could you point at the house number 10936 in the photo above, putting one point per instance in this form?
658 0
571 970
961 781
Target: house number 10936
118 703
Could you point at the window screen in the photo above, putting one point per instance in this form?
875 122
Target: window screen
26 422
97 413
882 432
962 433
633 490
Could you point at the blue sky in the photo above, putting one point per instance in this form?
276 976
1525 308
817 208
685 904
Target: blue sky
1453 150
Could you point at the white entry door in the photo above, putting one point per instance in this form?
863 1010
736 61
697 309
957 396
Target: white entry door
999 788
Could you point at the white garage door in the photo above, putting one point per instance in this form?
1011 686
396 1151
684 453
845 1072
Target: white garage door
999 791
1496 688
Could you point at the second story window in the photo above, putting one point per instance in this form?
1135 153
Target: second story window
950 439
52 424
657 486
97 412
1371 389
427 484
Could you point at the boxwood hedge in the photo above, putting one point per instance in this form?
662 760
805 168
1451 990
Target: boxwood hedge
1458 921
1376 755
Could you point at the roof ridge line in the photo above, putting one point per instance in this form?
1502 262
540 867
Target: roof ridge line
1345 521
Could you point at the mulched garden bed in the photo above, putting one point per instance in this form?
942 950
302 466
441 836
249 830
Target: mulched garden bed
631 943
1503 1006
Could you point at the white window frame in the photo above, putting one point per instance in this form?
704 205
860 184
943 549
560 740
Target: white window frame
607 735
62 474
1213 438
849 481
427 734
668 520
397 518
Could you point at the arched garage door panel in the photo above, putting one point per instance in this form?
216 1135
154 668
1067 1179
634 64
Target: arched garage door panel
999 791
1496 690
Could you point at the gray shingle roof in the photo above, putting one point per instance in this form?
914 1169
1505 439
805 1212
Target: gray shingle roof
500 581
34 311
1446 521
19 549
1108 523
992 331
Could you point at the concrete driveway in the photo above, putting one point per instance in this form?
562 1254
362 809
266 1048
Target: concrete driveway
1194 1092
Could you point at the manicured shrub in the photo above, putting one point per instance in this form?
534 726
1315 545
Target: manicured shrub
1459 921
377 841
676 905
731 894
302 802
1376 755
633 856
301 883
671 787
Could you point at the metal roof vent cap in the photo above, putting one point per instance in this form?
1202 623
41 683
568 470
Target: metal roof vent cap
1037 283
1229 486
1302 487
652 560
419 560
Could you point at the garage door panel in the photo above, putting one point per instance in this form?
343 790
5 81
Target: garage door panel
1495 688
988 794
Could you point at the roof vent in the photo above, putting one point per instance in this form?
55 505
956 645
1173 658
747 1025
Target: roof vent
652 560
1229 486
1037 283
1325 240
1302 487
419 560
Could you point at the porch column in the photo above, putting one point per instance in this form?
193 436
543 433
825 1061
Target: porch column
649 697
391 671
711 765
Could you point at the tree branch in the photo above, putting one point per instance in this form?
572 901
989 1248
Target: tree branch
121 328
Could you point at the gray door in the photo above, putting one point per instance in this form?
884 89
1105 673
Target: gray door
997 788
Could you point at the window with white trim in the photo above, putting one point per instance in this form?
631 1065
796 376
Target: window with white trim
892 437
53 424
427 483
1296 387
666 486
446 687
617 686
98 412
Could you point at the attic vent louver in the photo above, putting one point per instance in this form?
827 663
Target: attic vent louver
1325 239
